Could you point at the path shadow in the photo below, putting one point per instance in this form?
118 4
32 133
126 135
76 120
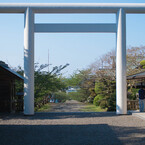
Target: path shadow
100 134
95 134
57 115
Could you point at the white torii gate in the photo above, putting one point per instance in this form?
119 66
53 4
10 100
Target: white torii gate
30 28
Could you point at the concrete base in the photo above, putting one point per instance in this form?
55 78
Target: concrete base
132 111
140 115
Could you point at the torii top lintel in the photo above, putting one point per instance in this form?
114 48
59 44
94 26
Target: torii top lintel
72 7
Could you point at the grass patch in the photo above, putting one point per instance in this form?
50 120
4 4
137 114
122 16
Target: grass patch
44 108
92 108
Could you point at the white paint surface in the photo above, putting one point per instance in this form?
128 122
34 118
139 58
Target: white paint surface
29 62
121 93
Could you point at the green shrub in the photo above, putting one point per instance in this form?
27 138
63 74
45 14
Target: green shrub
79 96
142 63
90 99
99 87
103 104
38 99
61 96
111 102
131 94
98 99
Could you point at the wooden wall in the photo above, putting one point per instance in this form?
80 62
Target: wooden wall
5 96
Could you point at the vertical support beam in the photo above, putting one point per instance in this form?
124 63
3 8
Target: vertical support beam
121 93
29 62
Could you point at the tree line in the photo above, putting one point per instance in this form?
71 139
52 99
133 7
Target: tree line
97 83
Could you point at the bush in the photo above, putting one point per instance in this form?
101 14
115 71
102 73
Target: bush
142 63
61 96
97 100
79 96
40 101
90 99
131 94
103 104
99 87
111 102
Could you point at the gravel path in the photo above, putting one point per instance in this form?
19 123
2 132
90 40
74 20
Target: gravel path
71 129
68 106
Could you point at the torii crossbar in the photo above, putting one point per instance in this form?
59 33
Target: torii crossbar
30 28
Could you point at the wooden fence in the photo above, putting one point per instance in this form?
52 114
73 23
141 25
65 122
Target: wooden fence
132 104
17 105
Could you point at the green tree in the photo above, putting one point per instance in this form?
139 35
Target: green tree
48 82
142 63
45 82
19 84
85 80
105 86
104 69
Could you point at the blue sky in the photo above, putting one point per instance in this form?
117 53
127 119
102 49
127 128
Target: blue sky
77 49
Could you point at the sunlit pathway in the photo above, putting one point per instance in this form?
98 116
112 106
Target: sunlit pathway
71 129
68 106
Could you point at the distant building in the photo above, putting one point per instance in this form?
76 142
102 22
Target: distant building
8 101
72 89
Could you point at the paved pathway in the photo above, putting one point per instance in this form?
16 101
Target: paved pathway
68 106
71 129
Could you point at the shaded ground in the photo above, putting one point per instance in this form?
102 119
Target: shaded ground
71 129
68 106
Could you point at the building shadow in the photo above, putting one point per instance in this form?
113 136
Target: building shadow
94 134
57 115
88 134
100 134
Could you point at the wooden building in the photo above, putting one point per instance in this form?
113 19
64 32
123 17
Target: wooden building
8 101
137 80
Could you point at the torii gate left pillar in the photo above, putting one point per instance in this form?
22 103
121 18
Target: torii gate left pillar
29 62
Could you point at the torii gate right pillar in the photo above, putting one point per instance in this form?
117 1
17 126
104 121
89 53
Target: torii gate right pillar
121 91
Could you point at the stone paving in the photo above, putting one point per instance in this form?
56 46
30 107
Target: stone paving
71 128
